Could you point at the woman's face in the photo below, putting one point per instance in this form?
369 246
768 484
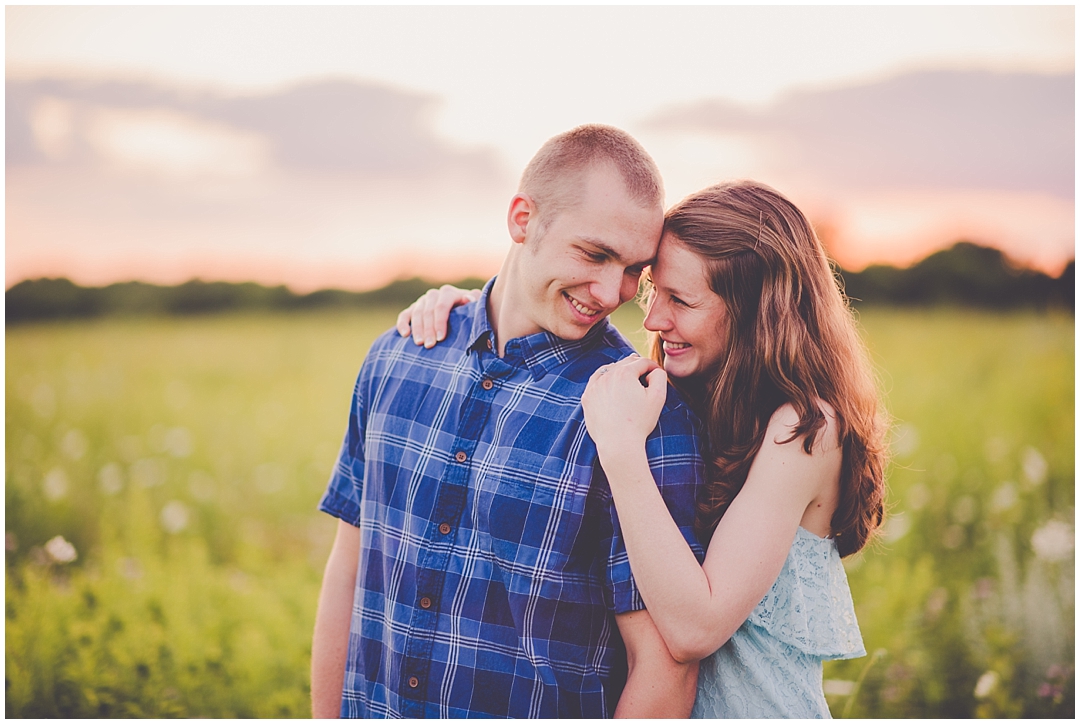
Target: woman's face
686 313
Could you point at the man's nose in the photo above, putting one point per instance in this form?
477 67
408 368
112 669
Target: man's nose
608 289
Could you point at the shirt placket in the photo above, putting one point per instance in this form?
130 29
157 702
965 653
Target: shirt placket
437 548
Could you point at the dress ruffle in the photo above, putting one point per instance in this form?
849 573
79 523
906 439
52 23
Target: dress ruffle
809 606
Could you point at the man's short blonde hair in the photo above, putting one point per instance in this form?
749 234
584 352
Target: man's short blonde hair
554 176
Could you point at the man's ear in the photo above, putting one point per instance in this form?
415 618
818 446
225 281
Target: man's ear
522 212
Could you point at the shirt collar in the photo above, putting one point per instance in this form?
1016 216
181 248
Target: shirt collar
540 353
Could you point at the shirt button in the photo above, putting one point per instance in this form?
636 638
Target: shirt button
487 384
425 602
461 457
413 682
444 528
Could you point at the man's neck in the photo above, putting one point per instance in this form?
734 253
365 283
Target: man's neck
504 310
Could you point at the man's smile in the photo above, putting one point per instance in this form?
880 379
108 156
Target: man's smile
584 310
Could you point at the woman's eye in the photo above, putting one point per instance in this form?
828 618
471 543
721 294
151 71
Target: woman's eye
676 300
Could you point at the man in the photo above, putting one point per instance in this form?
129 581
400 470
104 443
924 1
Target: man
478 568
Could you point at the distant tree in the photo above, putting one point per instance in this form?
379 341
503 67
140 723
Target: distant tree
965 274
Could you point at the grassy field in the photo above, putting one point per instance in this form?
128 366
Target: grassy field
164 553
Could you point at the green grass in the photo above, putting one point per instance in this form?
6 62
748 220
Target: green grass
183 459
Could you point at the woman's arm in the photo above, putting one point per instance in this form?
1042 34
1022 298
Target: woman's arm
426 318
697 608
657 686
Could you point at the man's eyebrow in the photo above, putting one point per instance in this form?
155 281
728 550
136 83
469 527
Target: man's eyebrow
612 253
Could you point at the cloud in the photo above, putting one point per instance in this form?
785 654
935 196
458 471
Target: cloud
933 129
331 127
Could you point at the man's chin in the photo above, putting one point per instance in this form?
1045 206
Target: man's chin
576 330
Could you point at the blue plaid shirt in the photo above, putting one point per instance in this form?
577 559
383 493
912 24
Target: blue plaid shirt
491 559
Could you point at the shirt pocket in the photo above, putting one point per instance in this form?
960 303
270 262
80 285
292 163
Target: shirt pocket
533 531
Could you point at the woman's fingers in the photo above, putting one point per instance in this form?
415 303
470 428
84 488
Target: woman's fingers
404 321
447 298
657 384
423 319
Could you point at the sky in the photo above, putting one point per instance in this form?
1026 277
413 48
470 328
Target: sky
346 146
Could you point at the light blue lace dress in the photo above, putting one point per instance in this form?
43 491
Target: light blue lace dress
771 666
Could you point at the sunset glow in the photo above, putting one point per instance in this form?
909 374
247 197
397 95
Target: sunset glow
346 146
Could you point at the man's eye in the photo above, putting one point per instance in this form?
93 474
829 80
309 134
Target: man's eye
594 257
635 271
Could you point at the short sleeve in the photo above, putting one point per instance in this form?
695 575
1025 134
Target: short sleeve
342 496
674 454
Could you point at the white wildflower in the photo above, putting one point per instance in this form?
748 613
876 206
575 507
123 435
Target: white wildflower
896 527
178 442
60 550
838 687
1005 497
1053 541
953 537
986 684
174 516
964 510
74 444
111 479
1035 467
148 472
917 496
56 484
905 440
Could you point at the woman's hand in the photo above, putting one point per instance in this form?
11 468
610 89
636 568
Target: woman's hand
426 317
620 410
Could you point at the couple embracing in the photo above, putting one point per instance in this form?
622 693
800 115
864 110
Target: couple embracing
535 522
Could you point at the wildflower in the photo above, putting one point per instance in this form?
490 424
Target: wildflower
56 484
111 479
1035 467
1005 497
953 537
838 687
896 527
1053 541
74 444
964 510
935 603
174 516
918 495
129 568
986 684
148 472
905 440
178 442
60 550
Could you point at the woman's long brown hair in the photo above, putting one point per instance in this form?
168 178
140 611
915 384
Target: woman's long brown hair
790 337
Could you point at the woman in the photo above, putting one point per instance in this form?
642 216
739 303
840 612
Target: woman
747 320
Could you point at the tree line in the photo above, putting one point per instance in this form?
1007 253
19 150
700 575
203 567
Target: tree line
965 275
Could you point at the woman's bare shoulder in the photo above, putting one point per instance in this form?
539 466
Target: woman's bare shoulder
786 418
